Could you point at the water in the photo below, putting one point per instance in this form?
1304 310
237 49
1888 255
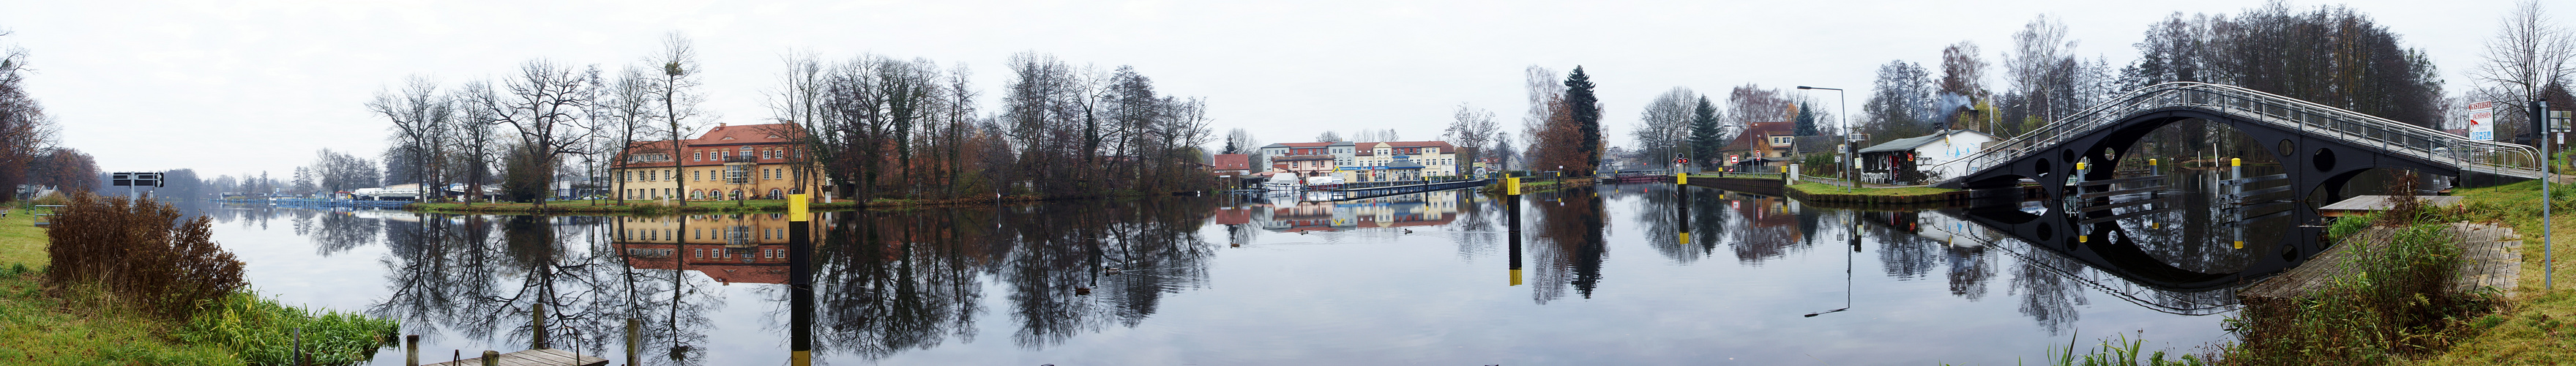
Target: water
1604 278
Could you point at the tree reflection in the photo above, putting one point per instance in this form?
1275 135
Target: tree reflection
1570 246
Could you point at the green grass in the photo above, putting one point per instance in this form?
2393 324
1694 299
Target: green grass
2529 330
1822 189
261 331
41 325
39 328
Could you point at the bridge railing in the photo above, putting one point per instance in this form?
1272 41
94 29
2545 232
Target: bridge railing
2351 127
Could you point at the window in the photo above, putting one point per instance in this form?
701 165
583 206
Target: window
697 156
693 176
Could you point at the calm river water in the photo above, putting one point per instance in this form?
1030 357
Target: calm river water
1603 276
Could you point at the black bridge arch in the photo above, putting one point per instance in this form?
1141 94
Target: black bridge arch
2313 162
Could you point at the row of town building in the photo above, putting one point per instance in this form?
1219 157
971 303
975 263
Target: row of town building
1352 161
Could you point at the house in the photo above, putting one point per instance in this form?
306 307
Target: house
1272 154
1232 164
1762 144
1921 159
1307 165
1400 160
727 162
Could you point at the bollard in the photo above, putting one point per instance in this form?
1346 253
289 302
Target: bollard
1512 186
634 341
2235 171
299 348
491 358
2153 169
411 350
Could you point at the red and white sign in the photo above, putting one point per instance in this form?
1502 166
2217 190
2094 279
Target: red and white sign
2482 121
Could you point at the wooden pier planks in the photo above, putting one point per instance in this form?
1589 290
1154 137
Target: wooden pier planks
2490 257
2365 204
534 357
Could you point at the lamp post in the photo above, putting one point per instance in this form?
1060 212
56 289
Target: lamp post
1848 152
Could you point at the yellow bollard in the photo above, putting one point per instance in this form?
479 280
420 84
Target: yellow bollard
2235 162
1681 178
1512 186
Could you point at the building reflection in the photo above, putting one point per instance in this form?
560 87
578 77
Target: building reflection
1419 209
729 248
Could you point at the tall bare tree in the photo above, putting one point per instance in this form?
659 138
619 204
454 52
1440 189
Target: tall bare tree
1473 130
2528 55
1665 126
678 94
421 118
546 104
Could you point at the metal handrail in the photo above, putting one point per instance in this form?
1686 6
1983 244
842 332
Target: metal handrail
2305 116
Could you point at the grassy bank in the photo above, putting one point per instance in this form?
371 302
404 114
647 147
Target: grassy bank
1830 193
2531 327
42 324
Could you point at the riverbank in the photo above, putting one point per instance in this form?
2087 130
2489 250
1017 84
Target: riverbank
644 207
1529 185
1898 196
2533 324
45 324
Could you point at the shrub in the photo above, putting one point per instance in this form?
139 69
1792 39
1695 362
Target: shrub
2398 303
142 252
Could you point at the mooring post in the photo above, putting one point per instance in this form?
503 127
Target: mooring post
2155 171
491 358
800 282
634 341
299 348
411 350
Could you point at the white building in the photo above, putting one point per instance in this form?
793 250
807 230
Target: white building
1922 159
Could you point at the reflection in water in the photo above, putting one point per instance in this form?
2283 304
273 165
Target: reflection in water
892 283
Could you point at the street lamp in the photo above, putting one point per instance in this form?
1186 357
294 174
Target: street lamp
1849 150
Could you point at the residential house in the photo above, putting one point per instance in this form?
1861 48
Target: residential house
727 162
1762 144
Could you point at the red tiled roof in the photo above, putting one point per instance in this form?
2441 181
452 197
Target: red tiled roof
1233 162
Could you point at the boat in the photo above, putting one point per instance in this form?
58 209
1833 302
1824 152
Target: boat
1282 182
1323 182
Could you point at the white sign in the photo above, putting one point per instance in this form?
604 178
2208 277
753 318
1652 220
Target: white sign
2482 121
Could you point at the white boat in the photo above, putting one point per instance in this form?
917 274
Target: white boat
1282 182
1323 182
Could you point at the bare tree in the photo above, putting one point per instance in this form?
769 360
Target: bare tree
421 118
1664 126
1541 85
1329 136
546 105
677 92
629 103
1473 130
2529 54
2039 51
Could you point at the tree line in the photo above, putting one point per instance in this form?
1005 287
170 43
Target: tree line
2332 55
870 126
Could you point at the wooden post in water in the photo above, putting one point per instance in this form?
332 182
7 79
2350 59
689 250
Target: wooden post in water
491 358
634 340
537 325
411 350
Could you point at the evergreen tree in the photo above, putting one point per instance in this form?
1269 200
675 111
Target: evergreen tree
1704 131
1806 120
1585 108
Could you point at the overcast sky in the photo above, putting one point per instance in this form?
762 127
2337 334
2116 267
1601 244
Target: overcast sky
228 88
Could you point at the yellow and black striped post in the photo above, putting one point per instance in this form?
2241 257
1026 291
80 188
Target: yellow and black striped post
800 283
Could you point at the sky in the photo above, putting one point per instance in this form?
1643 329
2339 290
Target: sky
241 88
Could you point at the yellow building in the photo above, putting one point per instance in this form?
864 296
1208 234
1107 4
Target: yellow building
728 162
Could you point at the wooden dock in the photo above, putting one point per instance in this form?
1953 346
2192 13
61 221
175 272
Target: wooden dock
534 357
2358 205
2491 256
